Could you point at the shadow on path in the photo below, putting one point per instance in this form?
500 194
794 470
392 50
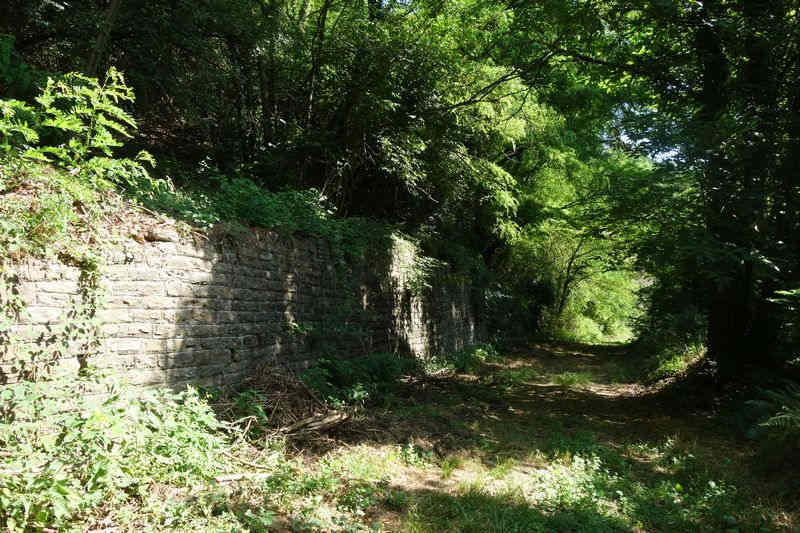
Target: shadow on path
680 470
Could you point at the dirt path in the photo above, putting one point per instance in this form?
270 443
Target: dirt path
558 438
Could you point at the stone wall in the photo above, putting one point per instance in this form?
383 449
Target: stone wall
178 309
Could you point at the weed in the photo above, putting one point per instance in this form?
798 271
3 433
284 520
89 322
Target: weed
259 520
358 497
73 445
396 500
784 408
355 381
450 464
503 468
467 360
513 377
251 403
413 455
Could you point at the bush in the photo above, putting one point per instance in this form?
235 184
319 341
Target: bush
356 380
668 346
73 445
76 125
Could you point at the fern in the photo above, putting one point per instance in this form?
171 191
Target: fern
786 406
89 113
16 124
87 122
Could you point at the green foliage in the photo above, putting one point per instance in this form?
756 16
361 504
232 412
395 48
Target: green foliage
16 124
467 360
233 204
787 304
538 146
17 78
78 123
572 379
785 408
250 403
52 221
357 380
667 352
71 446
58 158
88 112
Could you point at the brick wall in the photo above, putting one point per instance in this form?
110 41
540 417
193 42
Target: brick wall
189 310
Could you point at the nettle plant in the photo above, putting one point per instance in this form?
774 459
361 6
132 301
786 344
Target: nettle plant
76 125
72 448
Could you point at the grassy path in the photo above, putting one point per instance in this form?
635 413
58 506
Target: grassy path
551 439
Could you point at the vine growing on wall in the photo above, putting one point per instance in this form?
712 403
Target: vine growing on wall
33 357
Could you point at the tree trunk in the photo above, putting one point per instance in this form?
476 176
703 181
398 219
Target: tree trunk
569 277
99 49
316 60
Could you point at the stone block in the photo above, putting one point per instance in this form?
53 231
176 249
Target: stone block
176 360
115 316
147 377
136 288
43 315
188 263
202 330
52 299
146 315
137 330
180 289
177 316
205 316
124 346
211 357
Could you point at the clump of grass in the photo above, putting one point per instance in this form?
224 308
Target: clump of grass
348 381
517 376
468 360
673 363
572 379
449 465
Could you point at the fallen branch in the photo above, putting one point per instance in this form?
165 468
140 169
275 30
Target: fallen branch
314 423
251 476
248 463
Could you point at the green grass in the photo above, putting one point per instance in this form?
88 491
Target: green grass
517 376
44 211
452 454
572 379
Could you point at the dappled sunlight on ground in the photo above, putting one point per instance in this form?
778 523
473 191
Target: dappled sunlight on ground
558 439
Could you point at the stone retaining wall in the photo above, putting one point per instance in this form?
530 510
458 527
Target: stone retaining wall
188 310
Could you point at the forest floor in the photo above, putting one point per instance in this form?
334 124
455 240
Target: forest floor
553 438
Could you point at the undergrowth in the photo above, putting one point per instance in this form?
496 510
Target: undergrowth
45 211
75 447
357 381
662 357
59 164
113 457
469 359
369 379
239 200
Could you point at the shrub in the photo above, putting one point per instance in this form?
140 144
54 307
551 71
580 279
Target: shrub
356 380
469 359
72 445
785 408
76 125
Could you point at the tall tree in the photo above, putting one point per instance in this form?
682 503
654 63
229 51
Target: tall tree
707 88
